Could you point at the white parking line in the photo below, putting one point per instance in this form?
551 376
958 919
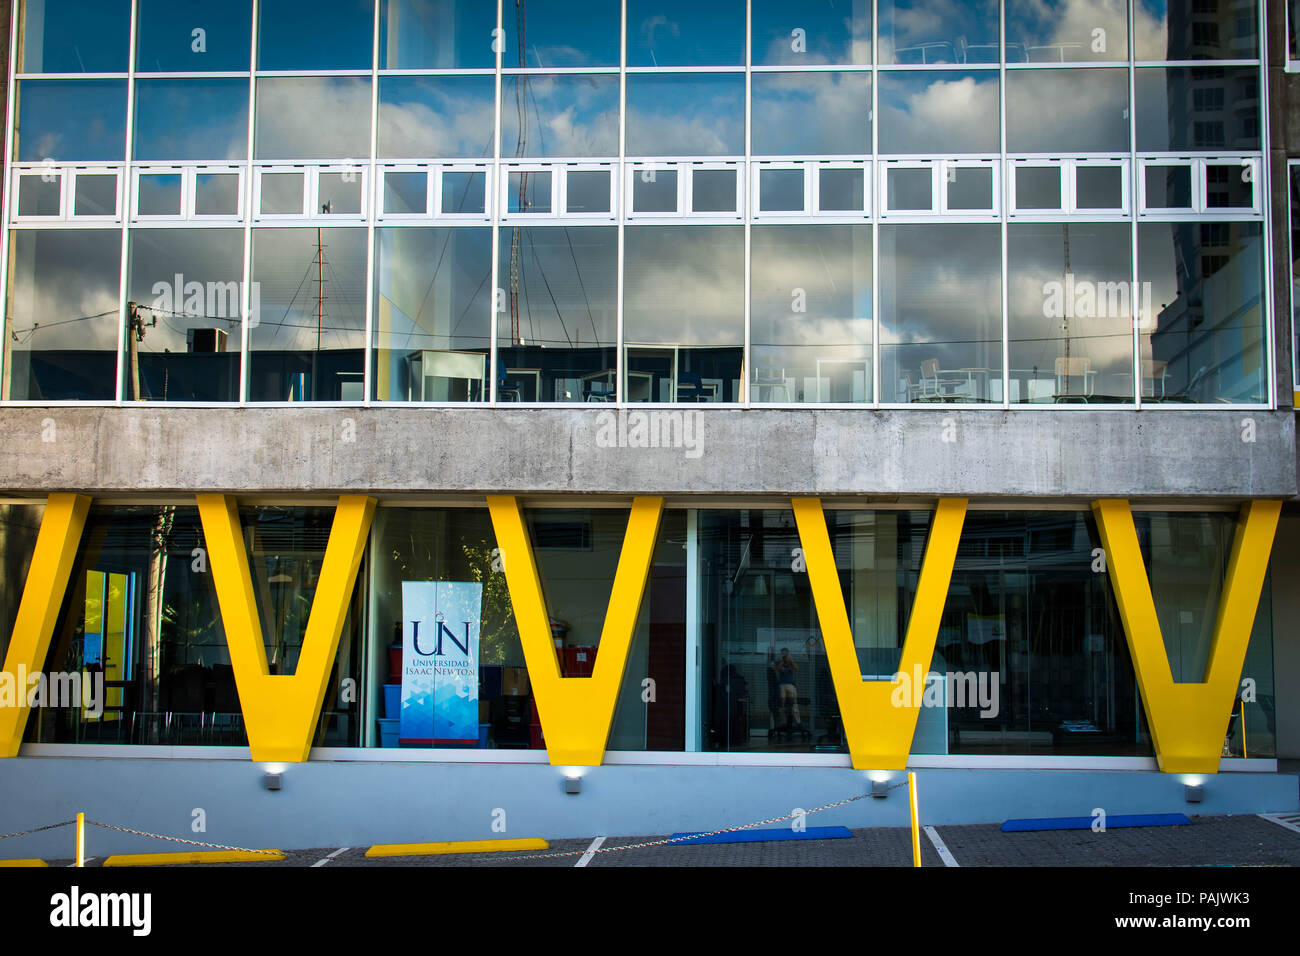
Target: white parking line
591 851
1289 820
947 857
342 849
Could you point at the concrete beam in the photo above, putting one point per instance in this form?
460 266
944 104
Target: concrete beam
1082 454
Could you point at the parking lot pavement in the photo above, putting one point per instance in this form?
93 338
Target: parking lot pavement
1243 840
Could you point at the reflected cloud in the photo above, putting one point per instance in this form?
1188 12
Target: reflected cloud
946 112
685 115
684 285
435 117
564 115
290 111
811 114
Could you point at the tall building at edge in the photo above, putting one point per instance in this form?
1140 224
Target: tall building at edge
712 407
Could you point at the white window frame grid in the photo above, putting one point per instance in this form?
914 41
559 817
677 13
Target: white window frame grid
1263 197
310 210
433 190
559 172
810 175
939 181
685 170
68 174
864 168
1068 167
1199 165
189 173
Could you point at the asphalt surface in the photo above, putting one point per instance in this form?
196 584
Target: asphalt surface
1245 840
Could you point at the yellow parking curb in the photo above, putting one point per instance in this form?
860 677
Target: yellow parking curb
23 863
464 846
193 856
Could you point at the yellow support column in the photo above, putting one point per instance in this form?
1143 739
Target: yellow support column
576 712
878 729
47 582
916 827
1186 719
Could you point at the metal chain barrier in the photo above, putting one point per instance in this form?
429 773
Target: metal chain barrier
51 826
159 836
694 836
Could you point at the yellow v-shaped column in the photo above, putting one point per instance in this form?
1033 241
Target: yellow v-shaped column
879 732
576 712
1188 721
47 582
281 711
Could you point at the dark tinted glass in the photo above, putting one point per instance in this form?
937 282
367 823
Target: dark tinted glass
841 190
1038 187
969 187
75 36
713 190
654 190
309 35
561 33
208 36
780 190
215 123
685 33
1198 108
909 189
1169 187
71 121
1098 187
1195 30
808 33
438 34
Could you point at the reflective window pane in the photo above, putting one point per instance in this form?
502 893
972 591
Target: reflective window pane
970 187
307 324
1198 108
685 115
438 34
1201 325
282 194
814 114
1098 187
557 337
939 112
1065 31
909 189
567 115
433 313
71 121
1068 111
435 117
1038 187
464 193
186 287
289 111
61 337
1169 187
1071 320
529 192
406 193
684 304
654 190
158 194
811 300
1195 30
96 195
940 313
309 35
841 190
587 191
39 195
193 36
75 36
714 190
215 125
338 194
780 190
1229 186
811 33
685 33
217 194
561 33
938 31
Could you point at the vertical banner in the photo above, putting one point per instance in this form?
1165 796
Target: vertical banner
440 634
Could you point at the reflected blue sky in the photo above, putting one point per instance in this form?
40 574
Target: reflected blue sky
811 114
76 36
834 31
938 31
685 33
166 42
310 35
561 33
435 117
686 114
561 115
217 126
1060 31
71 120
939 112
436 34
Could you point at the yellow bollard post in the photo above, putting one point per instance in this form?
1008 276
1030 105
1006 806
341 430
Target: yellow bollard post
1244 753
916 830
81 839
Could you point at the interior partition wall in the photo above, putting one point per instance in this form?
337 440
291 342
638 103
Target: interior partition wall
726 203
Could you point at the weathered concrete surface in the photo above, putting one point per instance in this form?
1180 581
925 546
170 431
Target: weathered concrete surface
393 451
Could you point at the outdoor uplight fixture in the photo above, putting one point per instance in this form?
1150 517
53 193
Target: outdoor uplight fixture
573 785
273 781
1193 792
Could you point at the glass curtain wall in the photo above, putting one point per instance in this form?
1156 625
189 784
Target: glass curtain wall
702 218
